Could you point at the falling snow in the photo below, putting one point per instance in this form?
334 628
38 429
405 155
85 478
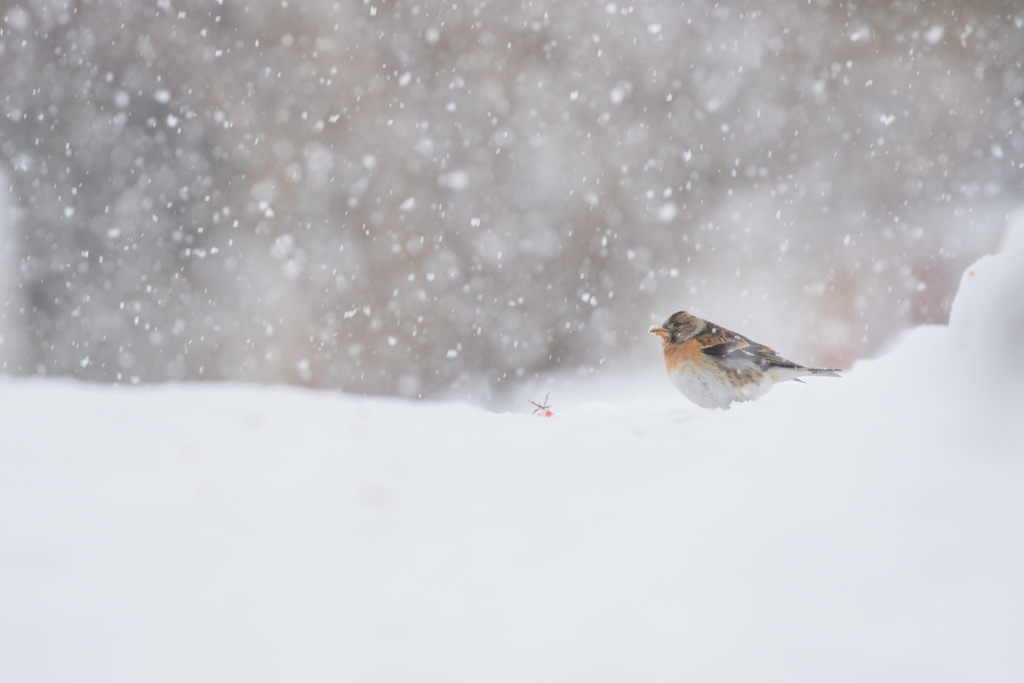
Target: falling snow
182 178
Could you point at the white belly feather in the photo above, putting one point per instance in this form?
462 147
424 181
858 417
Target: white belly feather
708 392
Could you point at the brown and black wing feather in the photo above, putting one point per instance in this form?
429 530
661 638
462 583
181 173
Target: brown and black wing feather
730 346
736 349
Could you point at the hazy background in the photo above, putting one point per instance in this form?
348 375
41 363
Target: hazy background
440 199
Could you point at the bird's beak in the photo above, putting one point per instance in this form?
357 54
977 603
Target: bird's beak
659 331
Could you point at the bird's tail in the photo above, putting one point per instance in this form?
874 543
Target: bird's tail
783 374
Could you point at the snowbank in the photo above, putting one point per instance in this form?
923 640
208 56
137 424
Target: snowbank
858 529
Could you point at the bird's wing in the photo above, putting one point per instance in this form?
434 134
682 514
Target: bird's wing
736 347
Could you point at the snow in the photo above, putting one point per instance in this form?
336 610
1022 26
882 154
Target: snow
858 529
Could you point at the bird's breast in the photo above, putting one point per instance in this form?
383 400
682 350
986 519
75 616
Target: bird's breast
707 383
677 356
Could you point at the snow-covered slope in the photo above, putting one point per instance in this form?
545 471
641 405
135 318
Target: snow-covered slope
863 529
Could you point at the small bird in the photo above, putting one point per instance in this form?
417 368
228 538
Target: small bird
713 366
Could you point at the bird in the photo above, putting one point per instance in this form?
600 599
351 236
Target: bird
714 367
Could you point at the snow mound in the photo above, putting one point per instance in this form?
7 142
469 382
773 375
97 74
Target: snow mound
858 529
987 320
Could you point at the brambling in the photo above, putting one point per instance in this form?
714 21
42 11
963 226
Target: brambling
713 366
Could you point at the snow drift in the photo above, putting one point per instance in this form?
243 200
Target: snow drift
861 529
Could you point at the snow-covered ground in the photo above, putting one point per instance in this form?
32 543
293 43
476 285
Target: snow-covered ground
863 529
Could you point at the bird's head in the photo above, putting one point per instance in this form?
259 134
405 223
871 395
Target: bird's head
679 328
